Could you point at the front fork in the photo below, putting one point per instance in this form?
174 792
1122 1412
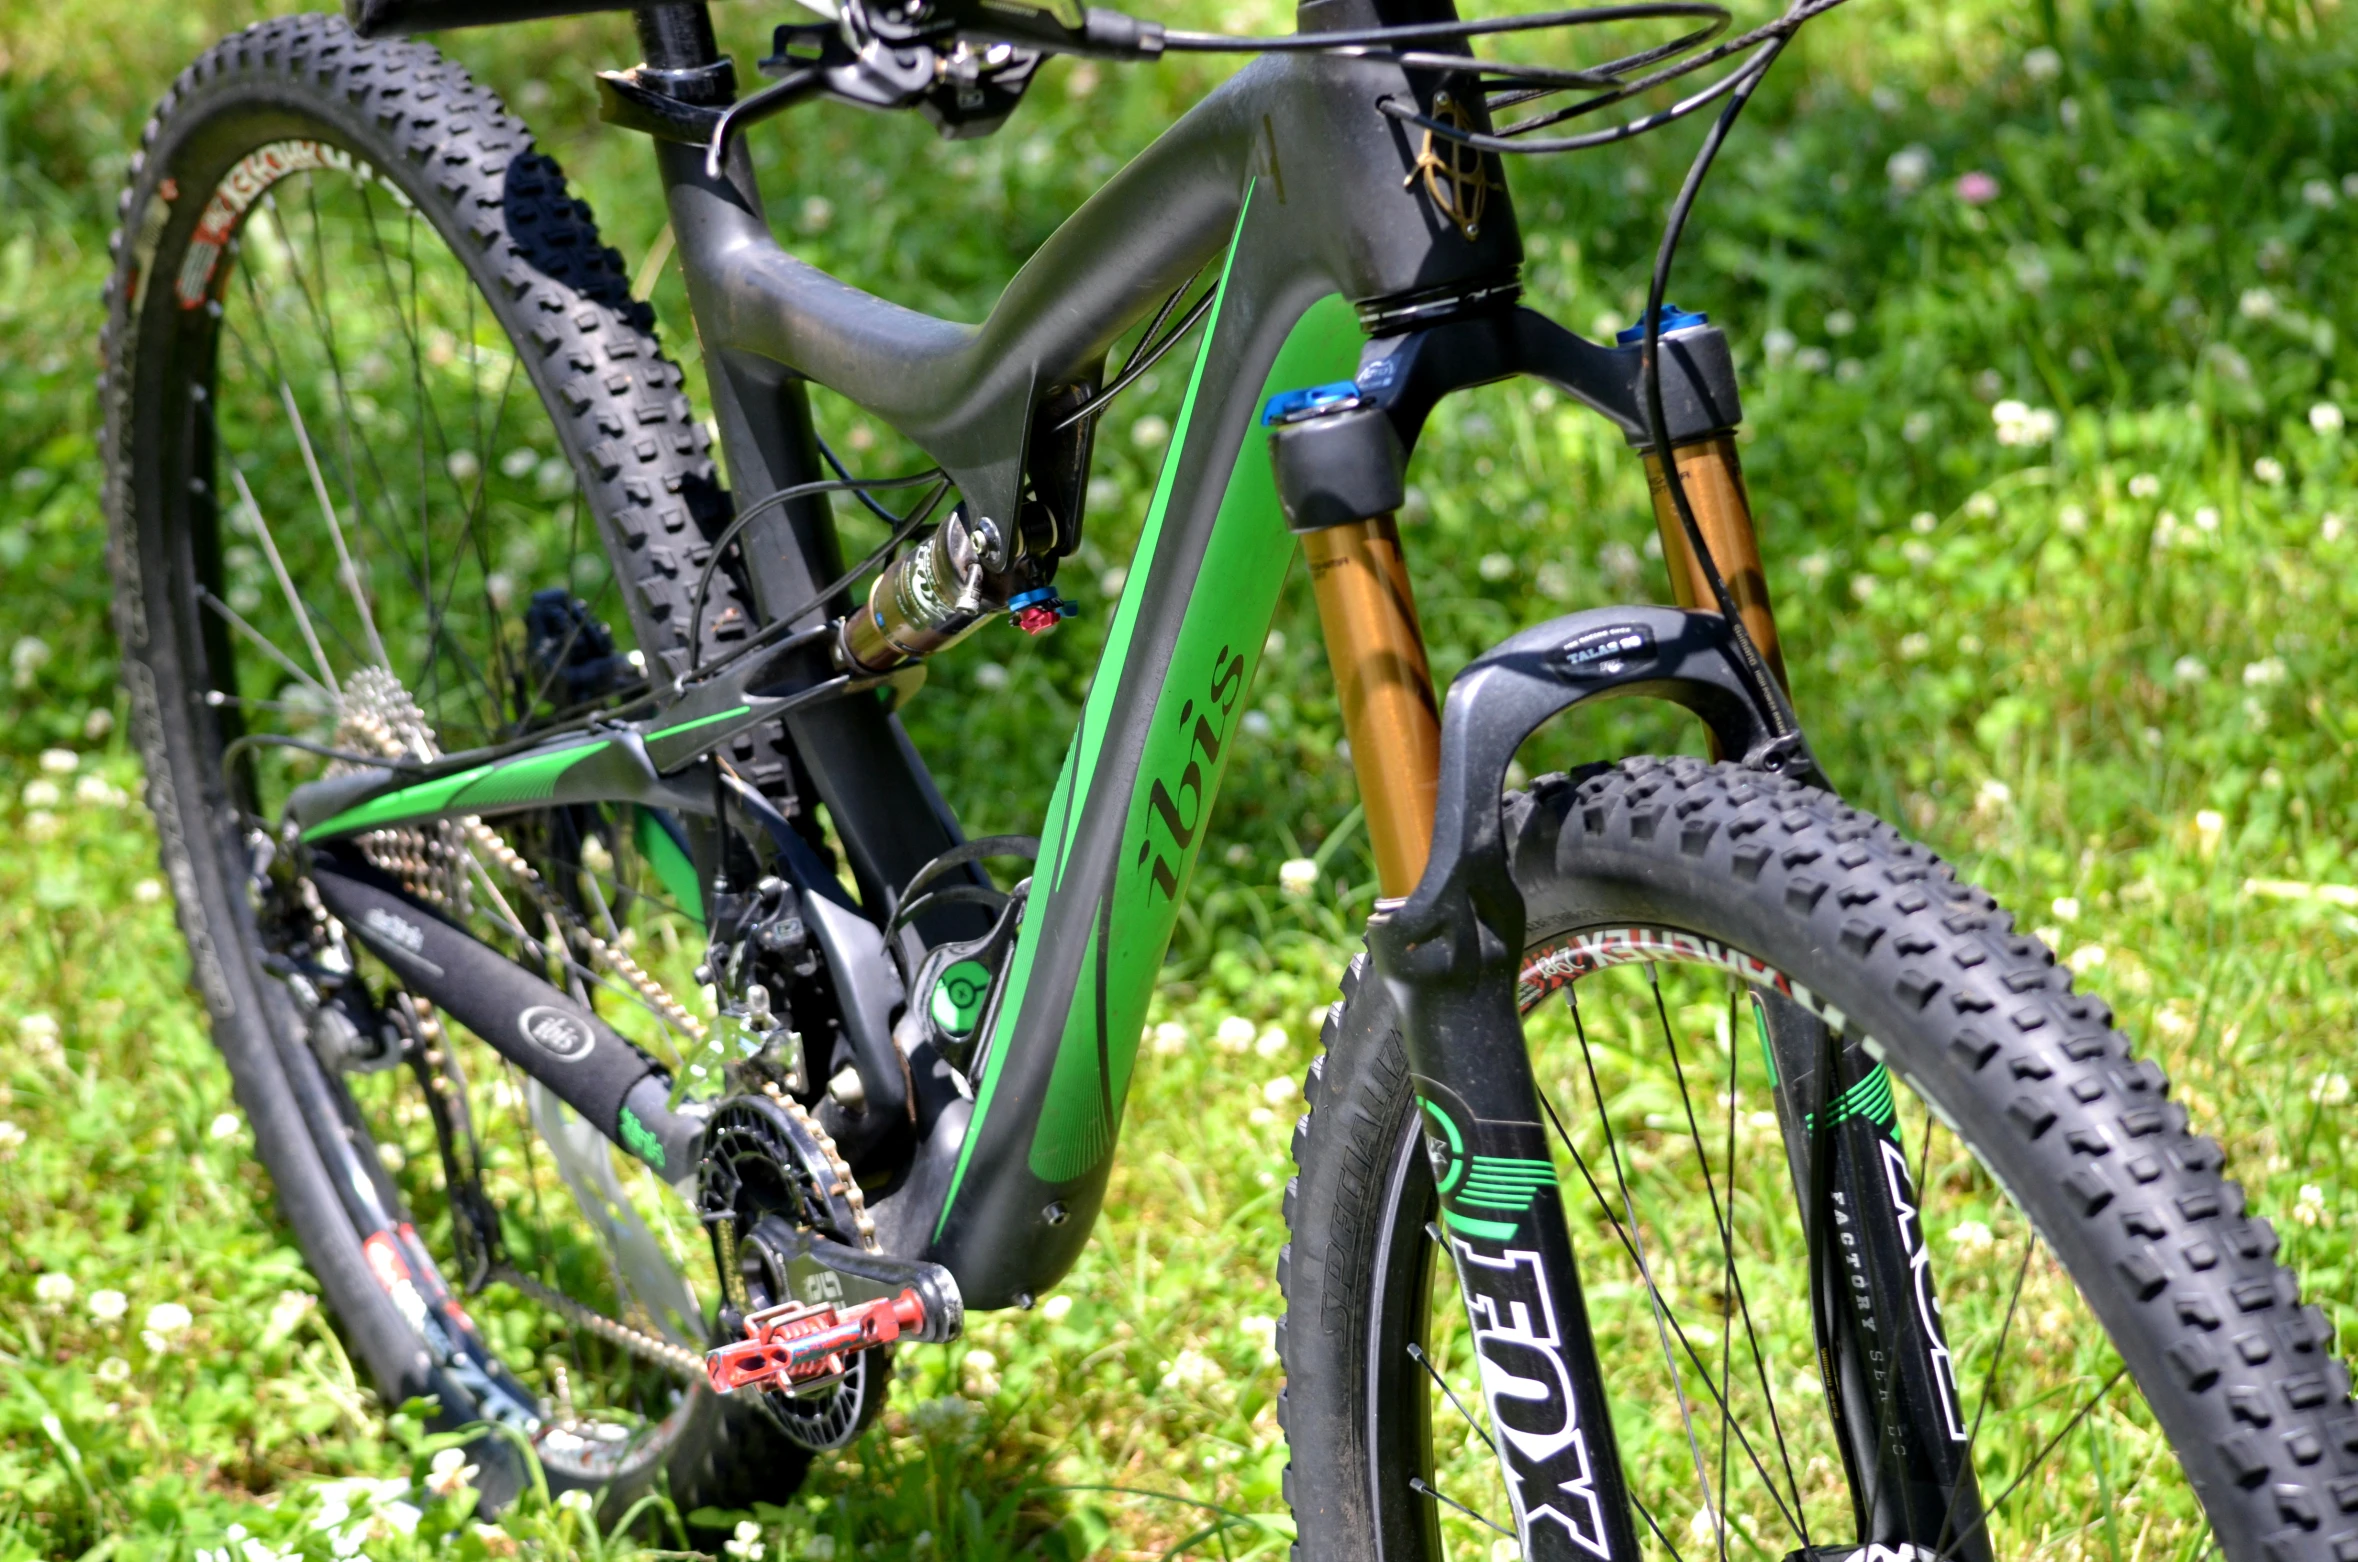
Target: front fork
1450 957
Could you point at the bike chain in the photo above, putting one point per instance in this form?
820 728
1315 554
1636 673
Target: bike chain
430 863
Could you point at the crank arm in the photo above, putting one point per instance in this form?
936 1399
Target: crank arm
847 1301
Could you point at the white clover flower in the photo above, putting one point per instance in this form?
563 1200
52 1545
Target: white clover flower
1235 1034
99 792
148 891
2330 1089
59 761
2318 193
979 1374
291 1308
2265 671
107 1306
169 1317
745 1542
2086 958
26 658
1909 168
576 1501
2042 64
114 1370
1262 1331
949 1416
1971 1238
2021 424
1495 567
1778 345
41 794
1170 1039
2257 303
1191 1371
2145 486
991 676
225 1126
1282 1089
1703 1528
2309 1209
1273 1041
450 1473
2269 470
1297 877
1150 432
821 1548
12 1139
2073 519
2066 908
1993 794
53 1290
40 824
2189 669
1057 1308
2326 418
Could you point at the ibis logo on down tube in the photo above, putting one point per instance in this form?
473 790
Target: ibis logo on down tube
1180 809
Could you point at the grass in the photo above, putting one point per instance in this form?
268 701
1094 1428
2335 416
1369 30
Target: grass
2093 650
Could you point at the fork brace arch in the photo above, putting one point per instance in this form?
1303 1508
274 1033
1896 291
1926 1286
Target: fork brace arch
1448 957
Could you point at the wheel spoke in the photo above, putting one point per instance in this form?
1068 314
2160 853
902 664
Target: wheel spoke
1418 1484
1417 1354
237 621
1989 1384
345 568
278 568
2040 1458
1638 1249
1613 1220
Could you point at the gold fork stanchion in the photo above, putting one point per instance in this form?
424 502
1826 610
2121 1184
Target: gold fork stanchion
1715 488
1377 651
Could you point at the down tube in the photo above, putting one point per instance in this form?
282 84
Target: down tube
1129 810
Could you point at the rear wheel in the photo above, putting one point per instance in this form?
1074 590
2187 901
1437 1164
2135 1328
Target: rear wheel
397 469
2122 1366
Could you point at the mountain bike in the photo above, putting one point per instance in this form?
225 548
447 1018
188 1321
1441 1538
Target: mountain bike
642 1054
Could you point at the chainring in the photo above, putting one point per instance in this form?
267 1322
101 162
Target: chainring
767 1160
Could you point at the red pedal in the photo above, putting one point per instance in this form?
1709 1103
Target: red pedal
800 1343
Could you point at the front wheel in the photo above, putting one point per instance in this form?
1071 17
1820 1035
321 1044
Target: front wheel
2111 1355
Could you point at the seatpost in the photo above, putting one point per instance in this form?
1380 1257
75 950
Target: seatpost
683 60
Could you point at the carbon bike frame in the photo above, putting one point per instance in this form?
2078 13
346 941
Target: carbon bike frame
1336 262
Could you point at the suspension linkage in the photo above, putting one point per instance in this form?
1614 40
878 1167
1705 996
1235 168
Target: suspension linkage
802 1342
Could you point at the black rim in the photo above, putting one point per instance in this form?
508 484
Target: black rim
355 513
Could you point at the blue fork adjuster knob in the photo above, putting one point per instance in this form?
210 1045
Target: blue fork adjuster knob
1294 405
